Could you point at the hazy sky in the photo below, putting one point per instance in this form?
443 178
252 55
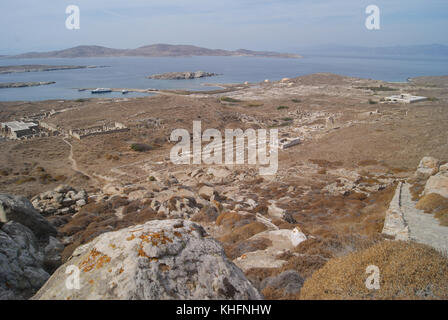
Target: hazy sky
39 25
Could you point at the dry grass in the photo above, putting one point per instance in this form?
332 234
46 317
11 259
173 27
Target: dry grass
207 214
228 219
417 187
442 216
432 202
407 271
436 204
236 250
364 163
242 233
339 225
326 164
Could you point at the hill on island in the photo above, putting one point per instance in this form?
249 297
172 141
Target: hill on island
154 50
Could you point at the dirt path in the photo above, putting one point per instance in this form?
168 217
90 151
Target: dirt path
423 227
74 163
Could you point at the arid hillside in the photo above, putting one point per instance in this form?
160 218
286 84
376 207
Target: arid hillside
315 223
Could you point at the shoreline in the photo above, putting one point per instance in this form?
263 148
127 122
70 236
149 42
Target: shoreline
224 88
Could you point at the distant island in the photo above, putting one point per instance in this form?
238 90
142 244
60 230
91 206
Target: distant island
154 50
6 85
40 68
182 75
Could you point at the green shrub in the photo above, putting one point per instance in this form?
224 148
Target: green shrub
282 107
228 99
377 89
141 147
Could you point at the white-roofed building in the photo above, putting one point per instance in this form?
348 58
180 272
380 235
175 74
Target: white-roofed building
405 98
18 129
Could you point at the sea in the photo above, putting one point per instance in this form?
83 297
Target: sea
132 72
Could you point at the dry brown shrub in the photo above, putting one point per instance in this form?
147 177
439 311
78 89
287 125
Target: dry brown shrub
326 164
133 206
243 232
305 265
442 215
236 250
407 271
417 187
322 171
396 170
435 203
364 163
118 201
432 203
261 209
228 218
357 196
206 214
278 294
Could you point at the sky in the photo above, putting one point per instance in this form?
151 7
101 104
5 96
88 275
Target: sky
39 25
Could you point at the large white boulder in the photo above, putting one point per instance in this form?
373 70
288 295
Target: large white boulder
161 259
427 167
437 184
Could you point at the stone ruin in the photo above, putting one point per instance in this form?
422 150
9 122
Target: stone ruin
97 130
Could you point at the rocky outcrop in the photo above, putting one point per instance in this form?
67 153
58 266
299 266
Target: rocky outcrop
60 201
437 184
170 259
427 167
40 68
28 250
24 84
20 210
280 241
182 75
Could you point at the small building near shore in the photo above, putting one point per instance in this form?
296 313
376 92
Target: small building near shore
405 98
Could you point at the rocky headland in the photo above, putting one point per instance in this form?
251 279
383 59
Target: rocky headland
6 85
40 68
182 75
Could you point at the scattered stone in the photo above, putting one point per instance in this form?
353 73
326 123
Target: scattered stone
206 192
427 167
60 201
20 210
81 203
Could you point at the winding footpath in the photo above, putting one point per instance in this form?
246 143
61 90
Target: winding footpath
75 164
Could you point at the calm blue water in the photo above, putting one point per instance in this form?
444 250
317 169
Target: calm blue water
130 72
